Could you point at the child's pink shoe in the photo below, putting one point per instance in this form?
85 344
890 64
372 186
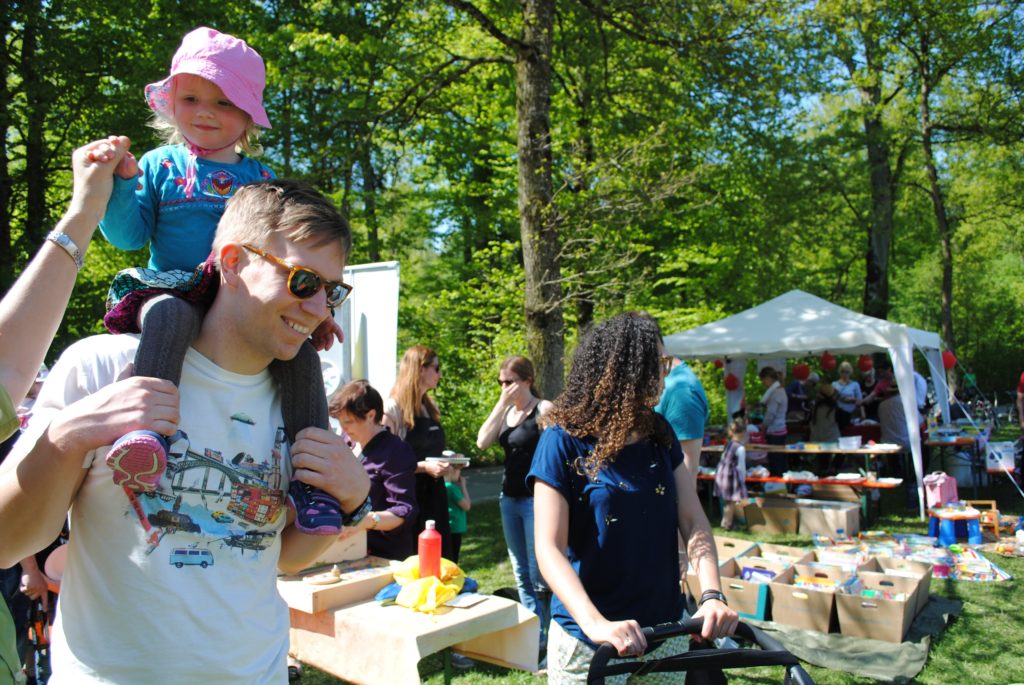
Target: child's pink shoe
138 460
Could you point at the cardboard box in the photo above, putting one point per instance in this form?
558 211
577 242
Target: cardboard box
360 580
823 517
748 597
728 548
906 568
878 618
771 515
783 553
805 608
850 559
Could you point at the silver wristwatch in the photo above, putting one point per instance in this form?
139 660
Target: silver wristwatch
65 242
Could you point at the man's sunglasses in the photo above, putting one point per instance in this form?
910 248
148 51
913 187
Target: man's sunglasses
304 283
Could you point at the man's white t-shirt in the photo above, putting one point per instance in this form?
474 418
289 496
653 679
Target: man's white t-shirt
177 586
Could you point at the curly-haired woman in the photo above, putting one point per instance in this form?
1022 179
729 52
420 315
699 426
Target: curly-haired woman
611 495
411 414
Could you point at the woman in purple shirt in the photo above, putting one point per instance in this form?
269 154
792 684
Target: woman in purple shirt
391 465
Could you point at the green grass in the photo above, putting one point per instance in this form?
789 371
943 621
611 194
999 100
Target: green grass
985 645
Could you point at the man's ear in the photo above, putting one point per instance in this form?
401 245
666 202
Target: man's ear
230 260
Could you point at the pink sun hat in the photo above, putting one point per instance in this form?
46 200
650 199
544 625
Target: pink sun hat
224 60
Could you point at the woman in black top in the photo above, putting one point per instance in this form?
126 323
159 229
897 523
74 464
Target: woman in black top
411 414
513 425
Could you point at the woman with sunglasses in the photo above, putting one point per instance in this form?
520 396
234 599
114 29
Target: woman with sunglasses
513 423
612 496
170 304
411 414
849 396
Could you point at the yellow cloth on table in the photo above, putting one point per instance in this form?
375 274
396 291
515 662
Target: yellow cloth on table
430 593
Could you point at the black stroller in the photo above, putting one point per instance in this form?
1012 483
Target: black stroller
702 666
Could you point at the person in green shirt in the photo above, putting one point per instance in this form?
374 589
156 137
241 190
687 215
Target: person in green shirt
458 504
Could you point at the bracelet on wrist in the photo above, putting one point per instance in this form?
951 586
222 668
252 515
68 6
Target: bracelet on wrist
64 241
708 595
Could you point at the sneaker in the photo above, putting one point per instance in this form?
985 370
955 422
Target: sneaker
316 512
462 663
138 460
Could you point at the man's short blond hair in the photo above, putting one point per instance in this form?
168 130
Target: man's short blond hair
292 208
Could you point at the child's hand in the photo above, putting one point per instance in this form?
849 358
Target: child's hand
326 332
128 167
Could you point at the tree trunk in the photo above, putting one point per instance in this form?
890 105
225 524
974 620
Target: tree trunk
938 203
880 228
545 325
6 247
35 147
369 195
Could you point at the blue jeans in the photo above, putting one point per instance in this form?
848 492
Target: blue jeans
517 521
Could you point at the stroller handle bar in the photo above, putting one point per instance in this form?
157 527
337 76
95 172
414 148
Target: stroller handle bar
772 653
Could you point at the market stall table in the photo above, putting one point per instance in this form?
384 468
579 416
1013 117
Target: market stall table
972 444
365 642
868 451
859 486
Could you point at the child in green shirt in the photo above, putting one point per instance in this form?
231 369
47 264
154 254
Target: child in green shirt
458 504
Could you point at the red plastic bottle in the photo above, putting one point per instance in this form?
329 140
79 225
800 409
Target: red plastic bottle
429 551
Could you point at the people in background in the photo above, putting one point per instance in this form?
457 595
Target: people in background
515 424
612 495
848 396
684 405
459 504
800 394
411 414
823 424
391 465
892 419
731 474
774 424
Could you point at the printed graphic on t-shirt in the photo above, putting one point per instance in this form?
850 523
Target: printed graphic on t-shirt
208 503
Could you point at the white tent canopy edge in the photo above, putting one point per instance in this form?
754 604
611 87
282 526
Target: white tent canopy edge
798 324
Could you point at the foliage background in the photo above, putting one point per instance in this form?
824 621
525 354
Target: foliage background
705 157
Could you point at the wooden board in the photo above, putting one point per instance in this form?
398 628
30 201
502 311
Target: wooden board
360 580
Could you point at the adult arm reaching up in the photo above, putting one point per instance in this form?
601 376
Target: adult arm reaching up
33 308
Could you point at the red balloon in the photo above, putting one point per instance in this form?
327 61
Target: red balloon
731 382
801 371
948 360
828 362
865 364
719 363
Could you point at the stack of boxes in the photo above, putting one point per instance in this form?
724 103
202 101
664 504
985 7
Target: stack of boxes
855 587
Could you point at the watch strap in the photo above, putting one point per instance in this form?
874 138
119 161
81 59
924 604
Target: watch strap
712 594
64 241
359 514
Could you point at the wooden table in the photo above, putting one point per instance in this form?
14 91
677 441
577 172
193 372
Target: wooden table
371 644
859 486
867 451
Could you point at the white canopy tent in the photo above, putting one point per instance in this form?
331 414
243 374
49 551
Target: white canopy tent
798 324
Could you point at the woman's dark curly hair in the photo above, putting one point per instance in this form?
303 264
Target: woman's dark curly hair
613 385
